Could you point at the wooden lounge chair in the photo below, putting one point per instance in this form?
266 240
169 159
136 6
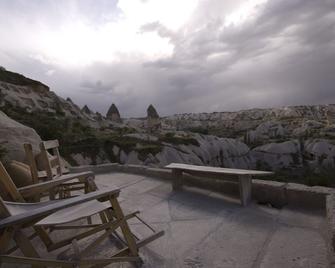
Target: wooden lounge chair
55 170
31 191
17 216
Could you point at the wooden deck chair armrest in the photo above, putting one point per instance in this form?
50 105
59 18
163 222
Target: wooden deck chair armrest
35 189
80 175
32 215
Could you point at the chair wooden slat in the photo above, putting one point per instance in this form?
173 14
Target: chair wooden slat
50 144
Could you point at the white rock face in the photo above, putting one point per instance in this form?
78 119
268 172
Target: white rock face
41 99
276 156
320 153
265 131
212 151
13 135
256 124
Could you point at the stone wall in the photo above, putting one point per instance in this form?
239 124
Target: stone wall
276 194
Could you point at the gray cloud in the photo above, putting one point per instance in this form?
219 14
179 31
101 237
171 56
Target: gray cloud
283 56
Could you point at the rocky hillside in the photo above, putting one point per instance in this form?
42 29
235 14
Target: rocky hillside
257 126
297 142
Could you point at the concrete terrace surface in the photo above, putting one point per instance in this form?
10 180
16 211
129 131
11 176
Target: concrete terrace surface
207 229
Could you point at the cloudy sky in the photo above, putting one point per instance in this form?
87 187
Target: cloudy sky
180 55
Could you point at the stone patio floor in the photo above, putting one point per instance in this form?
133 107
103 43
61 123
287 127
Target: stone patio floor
206 229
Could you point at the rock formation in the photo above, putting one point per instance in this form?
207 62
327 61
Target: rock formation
86 110
295 139
152 113
13 135
153 120
98 116
113 114
260 125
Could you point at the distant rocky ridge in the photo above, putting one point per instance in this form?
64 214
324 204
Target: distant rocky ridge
296 140
257 125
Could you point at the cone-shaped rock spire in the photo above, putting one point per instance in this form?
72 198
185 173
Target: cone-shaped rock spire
86 110
113 113
151 112
153 121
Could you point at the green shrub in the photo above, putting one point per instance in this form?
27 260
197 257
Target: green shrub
176 140
323 179
200 130
144 151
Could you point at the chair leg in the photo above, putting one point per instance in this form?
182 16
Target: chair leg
43 235
26 247
124 227
5 237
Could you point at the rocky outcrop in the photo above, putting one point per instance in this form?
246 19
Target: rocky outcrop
297 156
13 135
113 114
206 150
86 110
278 156
320 154
153 120
255 125
20 80
151 112
265 132
294 139
29 100
213 151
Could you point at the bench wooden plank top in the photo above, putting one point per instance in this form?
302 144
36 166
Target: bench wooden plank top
218 170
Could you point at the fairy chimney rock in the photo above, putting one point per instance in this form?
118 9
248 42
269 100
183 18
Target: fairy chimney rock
113 113
86 110
153 121
152 113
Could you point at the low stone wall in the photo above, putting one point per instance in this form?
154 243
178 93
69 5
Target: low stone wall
277 194
330 207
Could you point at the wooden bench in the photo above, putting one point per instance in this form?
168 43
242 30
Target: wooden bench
244 176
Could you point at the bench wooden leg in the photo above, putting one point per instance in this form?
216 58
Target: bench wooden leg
177 179
245 189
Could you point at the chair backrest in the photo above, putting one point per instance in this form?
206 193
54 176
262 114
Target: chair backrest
28 148
50 153
8 186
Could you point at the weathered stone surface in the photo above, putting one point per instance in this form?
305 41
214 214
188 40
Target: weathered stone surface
255 124
113 113
86 110
153 120
276 156
298 254
13 135
321 153
265 131
295 139
37 99
151 112
206 230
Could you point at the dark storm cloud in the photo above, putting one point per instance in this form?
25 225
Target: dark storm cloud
285 55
